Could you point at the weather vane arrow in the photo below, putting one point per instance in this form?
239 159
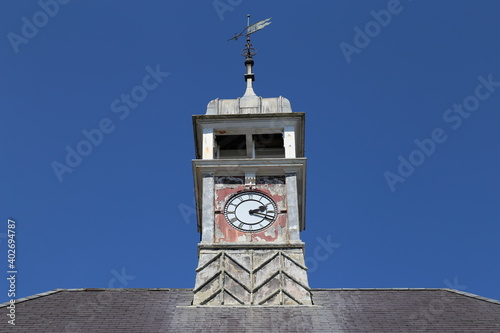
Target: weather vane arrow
250 29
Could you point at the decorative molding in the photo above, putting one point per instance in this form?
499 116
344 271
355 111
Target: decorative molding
252 277
249 246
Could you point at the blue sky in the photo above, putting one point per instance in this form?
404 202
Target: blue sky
386 85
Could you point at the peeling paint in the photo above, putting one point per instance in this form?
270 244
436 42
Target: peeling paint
223 192
271 232
282 221
225 233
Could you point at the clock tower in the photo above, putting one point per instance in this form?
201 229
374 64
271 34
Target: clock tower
249 177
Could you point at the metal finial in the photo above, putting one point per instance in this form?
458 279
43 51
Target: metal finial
249 51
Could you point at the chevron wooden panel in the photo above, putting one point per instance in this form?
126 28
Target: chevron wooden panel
251 277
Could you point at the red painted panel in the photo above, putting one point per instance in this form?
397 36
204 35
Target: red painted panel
224 232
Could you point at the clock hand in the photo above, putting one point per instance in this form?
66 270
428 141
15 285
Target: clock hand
260 209
265 216
257 213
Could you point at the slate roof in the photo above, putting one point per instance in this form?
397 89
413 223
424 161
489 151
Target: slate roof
335 310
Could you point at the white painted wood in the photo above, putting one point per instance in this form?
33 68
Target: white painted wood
207 222
293 206
289 141
208 144
250 177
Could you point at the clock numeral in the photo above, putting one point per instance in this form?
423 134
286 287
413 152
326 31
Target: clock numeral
232 220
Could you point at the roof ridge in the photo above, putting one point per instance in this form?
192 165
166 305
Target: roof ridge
125 289
53 291
459 292
463 293
377 289
50 292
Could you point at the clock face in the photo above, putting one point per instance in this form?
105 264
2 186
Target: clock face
250 211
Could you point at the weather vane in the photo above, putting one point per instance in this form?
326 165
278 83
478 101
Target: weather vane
249 51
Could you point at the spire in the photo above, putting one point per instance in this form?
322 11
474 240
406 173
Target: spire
248 52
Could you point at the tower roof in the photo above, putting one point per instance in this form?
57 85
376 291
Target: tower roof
249 104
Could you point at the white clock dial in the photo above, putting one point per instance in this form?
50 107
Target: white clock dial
250 211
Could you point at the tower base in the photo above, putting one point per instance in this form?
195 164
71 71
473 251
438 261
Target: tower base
246 276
